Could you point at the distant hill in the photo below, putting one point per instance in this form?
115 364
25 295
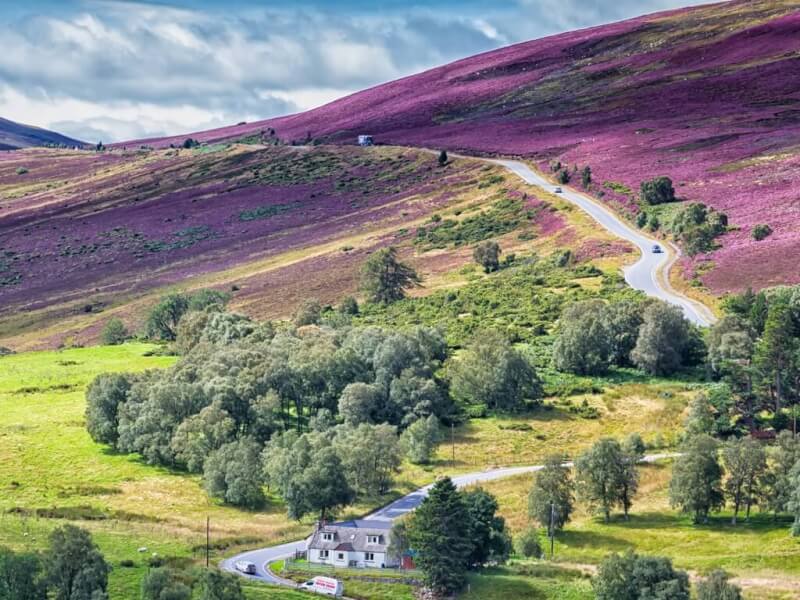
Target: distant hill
14 136
709 96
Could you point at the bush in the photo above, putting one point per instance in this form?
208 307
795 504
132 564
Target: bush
527 544
563 176
21 170
487 255
657 191
761 231
114 333
632 577
717 587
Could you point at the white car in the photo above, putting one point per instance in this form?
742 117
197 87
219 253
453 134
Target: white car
657 249
558 190
245 567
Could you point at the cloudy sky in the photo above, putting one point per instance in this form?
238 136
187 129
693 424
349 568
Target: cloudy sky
112 70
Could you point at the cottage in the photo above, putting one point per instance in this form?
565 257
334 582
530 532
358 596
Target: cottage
366 140
359 543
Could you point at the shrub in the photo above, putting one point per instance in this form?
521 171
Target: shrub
657 191
443 158
528 545
487 254
308 313
632 577
717 587
586 176
563 176
761 231
114 333
21 170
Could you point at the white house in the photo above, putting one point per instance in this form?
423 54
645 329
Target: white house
366 140
360 543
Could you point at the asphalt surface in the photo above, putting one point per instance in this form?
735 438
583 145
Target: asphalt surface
648 274
262 557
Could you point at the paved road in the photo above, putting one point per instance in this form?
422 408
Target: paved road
649 273
261 558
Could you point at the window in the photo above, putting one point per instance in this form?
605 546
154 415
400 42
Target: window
373 539
340 556
327 537
369 556
323 554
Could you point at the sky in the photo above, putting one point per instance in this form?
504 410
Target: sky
114 70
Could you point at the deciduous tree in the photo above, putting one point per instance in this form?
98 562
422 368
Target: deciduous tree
695 486
384 279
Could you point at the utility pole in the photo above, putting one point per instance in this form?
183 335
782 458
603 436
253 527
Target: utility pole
552 528
453 443
208 538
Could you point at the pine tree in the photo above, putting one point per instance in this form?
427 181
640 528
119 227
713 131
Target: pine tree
439 531
384 278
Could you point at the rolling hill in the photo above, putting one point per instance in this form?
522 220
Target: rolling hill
14 136
709 96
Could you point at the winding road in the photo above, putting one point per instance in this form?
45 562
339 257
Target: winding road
650 273
402 506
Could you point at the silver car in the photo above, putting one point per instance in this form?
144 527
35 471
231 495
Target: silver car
558 190
657 249
245 567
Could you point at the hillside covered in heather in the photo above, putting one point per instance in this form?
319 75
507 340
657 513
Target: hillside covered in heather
708 96
92 235
15 135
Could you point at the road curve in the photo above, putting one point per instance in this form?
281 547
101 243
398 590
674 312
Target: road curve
649 273
402 506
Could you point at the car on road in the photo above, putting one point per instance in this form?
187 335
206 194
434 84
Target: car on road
657 249
328 586
245 567
558 190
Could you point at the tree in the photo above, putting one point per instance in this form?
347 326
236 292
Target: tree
745 462
398 540
717 587
348 306
527 544
384 279
793 503
632 577
163 584
490 538
781 458
623 320
700 419
492 372
21 576
663 339
232 473
215 585
657 191
198 436
75 568
370 456
586 177
778 348
761 232
162 322
487 255
584 342
439 531
695 486
308 313
420 438
603 477
442 158
550 500
104 396
360 403
114 333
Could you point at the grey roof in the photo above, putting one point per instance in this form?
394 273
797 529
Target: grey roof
354 534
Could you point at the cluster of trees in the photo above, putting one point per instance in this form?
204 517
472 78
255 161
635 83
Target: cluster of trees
164 583
741 472
72 568
241 384
631 576
595 335
696 227
605 477
755 351
657 191
453 531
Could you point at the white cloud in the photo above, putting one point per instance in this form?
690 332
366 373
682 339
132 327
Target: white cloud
125 69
